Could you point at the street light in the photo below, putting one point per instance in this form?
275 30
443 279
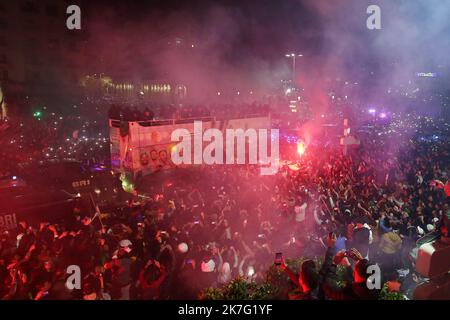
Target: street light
293 56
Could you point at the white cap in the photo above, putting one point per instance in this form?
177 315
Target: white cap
208 266
430 227
125 243
183 247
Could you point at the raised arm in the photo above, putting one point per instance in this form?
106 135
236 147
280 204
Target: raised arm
290 273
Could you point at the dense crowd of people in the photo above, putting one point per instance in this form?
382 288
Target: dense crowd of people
53 135
202 227
61 135
188 111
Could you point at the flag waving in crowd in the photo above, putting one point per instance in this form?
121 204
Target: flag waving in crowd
438 184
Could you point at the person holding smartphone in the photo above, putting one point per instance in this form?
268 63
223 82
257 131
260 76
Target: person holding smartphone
356 285
307 282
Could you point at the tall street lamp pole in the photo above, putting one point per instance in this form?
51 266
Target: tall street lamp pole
293 56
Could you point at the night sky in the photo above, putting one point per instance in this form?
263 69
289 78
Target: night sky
241 45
